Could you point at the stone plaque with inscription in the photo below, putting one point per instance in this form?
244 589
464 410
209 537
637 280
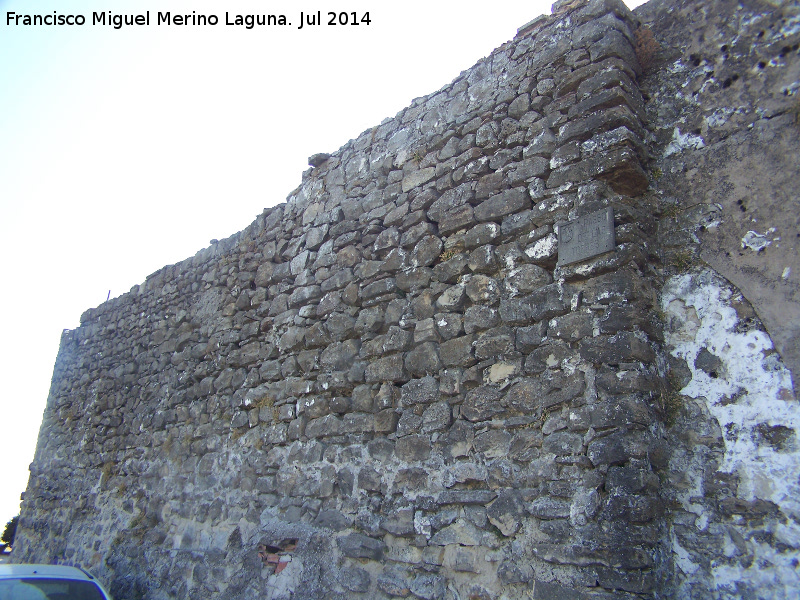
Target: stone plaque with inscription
586 236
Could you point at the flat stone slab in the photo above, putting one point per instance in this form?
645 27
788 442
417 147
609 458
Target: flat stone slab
586 236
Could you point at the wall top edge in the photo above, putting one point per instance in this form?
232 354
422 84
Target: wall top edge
566 14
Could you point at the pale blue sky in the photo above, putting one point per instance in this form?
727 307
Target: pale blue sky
122 151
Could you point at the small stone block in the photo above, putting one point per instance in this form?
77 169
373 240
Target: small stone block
318 159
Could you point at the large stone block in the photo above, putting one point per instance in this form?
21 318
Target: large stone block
450 270
507 512
457 352
423 360
450 200
482 404
388 368
417 178
356 545
625 346
494 343
426 251
504 203
531 395
420 391
340 355
413 447
456 218
355 579
482 289
480 317
395 340
545 303
525 279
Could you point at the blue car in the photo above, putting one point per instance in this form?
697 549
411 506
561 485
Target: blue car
48 582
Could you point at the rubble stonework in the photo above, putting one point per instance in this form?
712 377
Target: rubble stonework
389 387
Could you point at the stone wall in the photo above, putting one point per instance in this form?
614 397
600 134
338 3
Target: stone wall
387 386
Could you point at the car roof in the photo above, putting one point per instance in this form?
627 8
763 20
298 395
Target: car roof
44 571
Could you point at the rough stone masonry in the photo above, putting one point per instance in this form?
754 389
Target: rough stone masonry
389 386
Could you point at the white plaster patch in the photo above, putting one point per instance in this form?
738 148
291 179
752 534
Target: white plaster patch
682 141
791 26
791 89
751 392
699 317
677 67
543 248
772 574
682 557
755 241
510 261
282 586
422 524
719 117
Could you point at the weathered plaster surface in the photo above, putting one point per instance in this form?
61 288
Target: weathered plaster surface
723 101
721 96
743 391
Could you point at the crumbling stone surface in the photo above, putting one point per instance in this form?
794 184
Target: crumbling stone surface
386 387
733 426
721 97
